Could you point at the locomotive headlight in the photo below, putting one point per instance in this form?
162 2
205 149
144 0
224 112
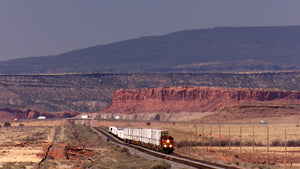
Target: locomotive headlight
171 145
168 141
165 145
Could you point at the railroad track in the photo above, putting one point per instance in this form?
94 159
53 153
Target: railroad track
171 157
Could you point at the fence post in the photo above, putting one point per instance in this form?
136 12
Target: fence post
186 143
268 146
191 139
210 137
219 137
285 147
241 139
203 137
196 137
229 137
252 145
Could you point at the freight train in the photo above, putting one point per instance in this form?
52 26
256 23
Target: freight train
155 139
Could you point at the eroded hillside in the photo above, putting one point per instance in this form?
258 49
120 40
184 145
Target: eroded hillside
193 99
93 92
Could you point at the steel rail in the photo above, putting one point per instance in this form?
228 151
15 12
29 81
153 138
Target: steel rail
172 157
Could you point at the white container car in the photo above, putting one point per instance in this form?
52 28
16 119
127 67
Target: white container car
114 130
153 138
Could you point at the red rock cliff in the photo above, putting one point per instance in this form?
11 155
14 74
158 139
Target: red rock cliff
192 99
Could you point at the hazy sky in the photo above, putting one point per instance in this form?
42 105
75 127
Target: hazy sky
49 27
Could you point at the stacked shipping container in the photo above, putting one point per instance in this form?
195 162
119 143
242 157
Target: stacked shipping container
151 136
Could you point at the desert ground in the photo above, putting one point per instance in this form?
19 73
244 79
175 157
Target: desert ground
253 144
25 145
273 144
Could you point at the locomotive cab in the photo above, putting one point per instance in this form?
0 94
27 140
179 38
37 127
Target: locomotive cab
167 144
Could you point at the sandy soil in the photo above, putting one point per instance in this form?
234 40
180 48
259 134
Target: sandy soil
24 144
20 154
15 145
185 135
73 147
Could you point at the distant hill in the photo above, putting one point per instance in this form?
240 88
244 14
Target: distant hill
220 49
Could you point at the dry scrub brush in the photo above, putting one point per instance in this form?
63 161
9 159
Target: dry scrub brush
106 154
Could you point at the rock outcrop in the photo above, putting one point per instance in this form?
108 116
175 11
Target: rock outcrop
192 99
93 92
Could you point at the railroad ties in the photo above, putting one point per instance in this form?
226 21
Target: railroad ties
171 157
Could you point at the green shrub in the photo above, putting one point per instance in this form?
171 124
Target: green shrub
123 150
158 166
161 165
86 164
293 143
48 164
8 165
7 124
277 143
39 135
50 157
13 165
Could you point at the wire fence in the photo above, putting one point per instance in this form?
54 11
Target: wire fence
254 143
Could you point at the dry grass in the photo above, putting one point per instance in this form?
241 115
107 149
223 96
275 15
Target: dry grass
186 137
24 146
102 153
20 146
87 150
